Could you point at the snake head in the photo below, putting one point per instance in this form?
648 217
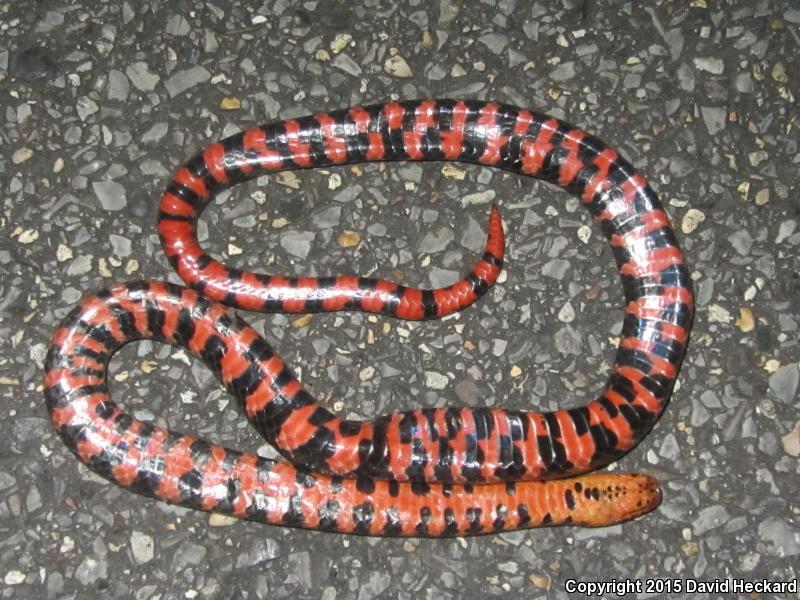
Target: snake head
604 499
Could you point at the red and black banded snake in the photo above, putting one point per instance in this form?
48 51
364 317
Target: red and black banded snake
426 472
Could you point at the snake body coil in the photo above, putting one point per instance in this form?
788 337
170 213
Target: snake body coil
429 472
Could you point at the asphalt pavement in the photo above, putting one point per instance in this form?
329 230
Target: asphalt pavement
102 100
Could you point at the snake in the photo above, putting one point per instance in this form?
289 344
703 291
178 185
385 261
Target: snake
430 472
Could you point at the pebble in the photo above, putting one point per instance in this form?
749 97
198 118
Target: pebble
670 449
457 71
117 87
712 65
327 217
340 42
300 322
779 73
744 83
791 441
508 567
699 413
566 314
710 518
91 569
563 72
188 553
435 380
28 236
50 21
230 103
782 539
20 155
348 239
377 582
541 581
141 77
714 118
34 500
746 322
495 42
177 25
142 547
451 171
691 220
784 381
468 393
220 520
718 314
569 341
289 179
155 133
436 240
14 577
555 268
262 551
742 241
6 480
478 198
499 347
297 243
110 194
86 107
300 565
472 237
351 67
762 197
186 79
396 65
